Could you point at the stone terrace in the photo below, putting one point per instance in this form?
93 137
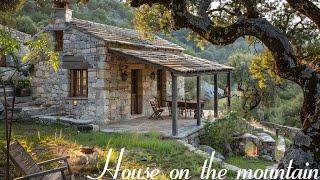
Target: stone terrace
186 126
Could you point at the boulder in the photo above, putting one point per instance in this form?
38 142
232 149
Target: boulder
265 138
266 157
80 162
209 151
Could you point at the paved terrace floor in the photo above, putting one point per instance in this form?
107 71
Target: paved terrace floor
186 126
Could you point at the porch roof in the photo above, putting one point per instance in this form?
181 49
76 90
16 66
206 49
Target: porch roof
177 63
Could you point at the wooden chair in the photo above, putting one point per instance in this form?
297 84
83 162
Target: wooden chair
32 170
157 111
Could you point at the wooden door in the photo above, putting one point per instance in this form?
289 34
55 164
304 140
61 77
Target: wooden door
3 62
161 87
136 92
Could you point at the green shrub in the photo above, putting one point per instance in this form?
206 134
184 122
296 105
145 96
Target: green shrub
220 132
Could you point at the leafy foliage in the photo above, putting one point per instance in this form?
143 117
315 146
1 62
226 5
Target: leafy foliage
42 49
219 133
262 69
25 24
10 5
152 19
7 43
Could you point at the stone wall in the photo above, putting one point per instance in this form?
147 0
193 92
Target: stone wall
109 97
53 87
289 132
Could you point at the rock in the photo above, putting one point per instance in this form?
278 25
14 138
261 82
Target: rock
88 128
209 150
236 134
266 157
95 128
264 137
281 148
142 159
81 162
84 128
251 137
227 148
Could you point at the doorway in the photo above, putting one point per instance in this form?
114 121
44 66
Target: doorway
136 92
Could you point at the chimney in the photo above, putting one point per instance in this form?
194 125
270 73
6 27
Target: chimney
61 14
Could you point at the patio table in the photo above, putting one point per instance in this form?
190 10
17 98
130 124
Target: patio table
187 104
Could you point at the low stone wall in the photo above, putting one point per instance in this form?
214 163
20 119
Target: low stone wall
286 131
194 138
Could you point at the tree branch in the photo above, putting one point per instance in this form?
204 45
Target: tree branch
307 8
138 3
286 64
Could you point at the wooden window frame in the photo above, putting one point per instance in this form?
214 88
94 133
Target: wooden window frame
78 83
59 40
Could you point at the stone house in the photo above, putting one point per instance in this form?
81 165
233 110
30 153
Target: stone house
110 74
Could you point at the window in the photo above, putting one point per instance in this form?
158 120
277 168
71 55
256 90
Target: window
59 40
78 83
3 62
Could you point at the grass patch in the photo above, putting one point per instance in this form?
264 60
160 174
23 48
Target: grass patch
248 163
54 140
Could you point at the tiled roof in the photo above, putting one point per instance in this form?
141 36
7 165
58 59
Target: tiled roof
177 63
121 35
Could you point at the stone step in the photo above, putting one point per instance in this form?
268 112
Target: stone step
64 120
29 112
21 101
9 92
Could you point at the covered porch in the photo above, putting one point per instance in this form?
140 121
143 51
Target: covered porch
177 64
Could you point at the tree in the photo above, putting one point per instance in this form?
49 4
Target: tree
41 49
274 24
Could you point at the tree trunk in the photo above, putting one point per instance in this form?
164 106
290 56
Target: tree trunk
7 130
305 150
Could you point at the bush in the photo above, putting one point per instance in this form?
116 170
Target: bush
23 87
220 132
25 24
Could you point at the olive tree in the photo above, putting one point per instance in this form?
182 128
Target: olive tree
290 31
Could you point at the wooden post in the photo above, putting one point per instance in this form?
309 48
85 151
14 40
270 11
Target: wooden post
229 89
174 105
215 101
199 110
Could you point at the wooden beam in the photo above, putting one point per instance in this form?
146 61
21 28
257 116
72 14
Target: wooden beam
174 105
215 101
229 89
199 110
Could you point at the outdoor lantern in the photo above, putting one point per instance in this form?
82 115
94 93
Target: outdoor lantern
153 75
75 102
124 76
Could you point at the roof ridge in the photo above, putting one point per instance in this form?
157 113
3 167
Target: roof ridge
125 35
101 24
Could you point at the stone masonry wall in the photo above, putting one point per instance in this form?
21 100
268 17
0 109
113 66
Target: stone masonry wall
53 87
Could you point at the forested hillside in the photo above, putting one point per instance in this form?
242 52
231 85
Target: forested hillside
261 96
